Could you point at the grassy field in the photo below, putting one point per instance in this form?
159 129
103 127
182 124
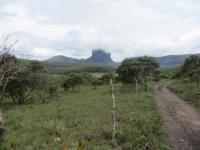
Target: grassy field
187 90
169 72
85 115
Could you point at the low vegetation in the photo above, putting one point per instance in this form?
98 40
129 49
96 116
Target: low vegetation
187 90
187 85
85 114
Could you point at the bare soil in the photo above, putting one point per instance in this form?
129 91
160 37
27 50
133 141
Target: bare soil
182 121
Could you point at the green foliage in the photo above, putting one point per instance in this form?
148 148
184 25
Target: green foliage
35 66
52 90
134 70
73 82
63 68
96 83
105 78
87 78
6 60
8 67
191 69
192 63
21 85
86 115
187 90
195 77
18 87
169 73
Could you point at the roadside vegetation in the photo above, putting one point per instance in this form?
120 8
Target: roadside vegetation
187 90
187 81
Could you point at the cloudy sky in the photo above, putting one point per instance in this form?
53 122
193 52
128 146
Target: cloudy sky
123 27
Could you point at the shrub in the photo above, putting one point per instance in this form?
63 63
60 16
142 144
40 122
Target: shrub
96 82
73 82
106 78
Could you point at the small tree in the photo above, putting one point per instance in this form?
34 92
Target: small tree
191 64
195 77
23 83
136 70
106 78
8 67
191 69
96 82
87 78
8 63
18 87
73 82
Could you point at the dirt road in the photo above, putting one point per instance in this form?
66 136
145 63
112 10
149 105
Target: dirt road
182 121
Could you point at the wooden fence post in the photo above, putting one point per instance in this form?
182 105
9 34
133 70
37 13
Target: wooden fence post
113 112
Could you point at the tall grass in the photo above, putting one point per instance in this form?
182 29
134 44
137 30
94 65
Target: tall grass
187 90
86 115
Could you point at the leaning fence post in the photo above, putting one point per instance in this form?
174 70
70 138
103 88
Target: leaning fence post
113 112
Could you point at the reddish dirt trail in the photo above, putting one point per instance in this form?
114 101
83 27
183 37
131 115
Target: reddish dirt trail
182 121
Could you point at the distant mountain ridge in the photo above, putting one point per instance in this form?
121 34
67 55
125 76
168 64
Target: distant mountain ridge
101 57
64 59
173 60
98 57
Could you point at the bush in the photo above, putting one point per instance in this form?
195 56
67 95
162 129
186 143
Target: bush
19 87
96 82
52 90
73 82
106 78
87 78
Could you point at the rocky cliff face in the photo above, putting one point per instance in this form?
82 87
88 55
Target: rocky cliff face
99 56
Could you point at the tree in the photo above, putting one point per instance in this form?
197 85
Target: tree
24 82
35 66
106 78
8 63
192 63
195 77
136 70
8 67
191 69
96 82
19 87
39 80
73 82
87 77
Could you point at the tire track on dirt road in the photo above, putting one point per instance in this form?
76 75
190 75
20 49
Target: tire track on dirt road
182 121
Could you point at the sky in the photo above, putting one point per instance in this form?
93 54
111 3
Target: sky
125 28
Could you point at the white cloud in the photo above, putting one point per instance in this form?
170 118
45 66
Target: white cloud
43 52
123 27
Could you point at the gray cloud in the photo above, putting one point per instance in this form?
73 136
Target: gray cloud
123 27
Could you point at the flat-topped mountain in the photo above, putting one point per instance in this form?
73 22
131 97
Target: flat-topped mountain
99 56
